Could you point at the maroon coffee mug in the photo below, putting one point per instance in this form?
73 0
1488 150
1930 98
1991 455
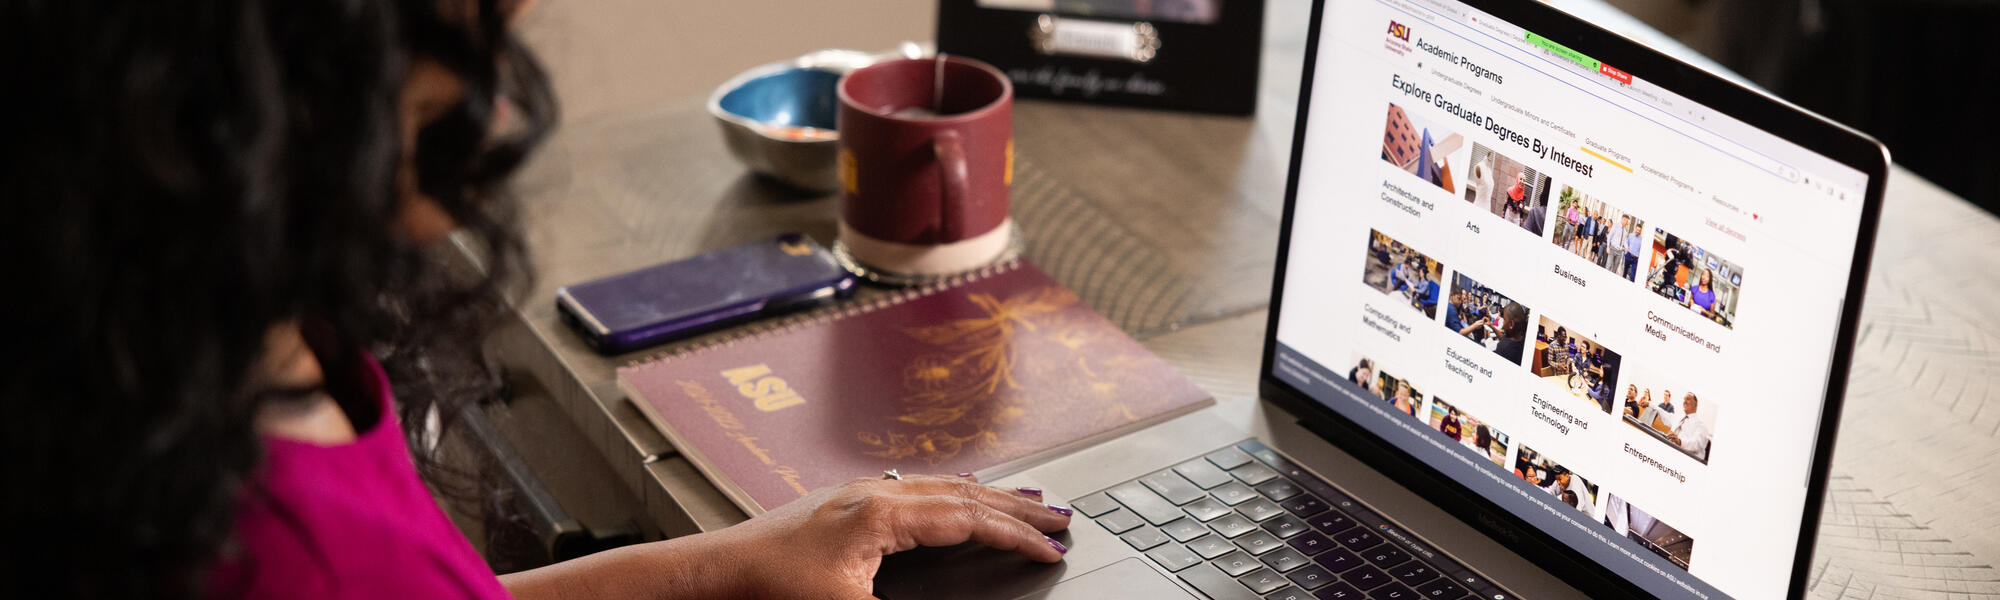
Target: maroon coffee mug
925 167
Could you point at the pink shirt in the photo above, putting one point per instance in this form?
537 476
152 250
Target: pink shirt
347 521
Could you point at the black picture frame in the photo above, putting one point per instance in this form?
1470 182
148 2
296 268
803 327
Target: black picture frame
1202 67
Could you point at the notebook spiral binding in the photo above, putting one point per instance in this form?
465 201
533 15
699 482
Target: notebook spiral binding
834 313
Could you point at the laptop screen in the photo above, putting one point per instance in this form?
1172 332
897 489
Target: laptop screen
1601 306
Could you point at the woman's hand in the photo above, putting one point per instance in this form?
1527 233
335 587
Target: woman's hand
824 546
829 544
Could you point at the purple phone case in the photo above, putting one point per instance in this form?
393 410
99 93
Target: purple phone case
701 293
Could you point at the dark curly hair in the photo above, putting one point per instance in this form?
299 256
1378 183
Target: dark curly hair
179 177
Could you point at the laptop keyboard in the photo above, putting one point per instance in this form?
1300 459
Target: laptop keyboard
1244 523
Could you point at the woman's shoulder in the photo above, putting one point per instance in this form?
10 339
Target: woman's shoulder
348 520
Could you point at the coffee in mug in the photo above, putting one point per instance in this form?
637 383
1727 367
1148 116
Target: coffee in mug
925 158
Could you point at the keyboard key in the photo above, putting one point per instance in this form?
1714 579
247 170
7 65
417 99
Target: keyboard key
1184 529
1211 546
1338 561
1232 525
1413 573
1261 452
1278 490
1338 591
1144 538
1330 522
1259 542
1304 505
1311 543
1145 503
1203 473
1206 509
1259 509
1094 504
1120 521
1317 486
1366 577
1237 563
1233 493
1385 555
1263 581
1290 592
1442 589
1171 486
1228 458
1311 577
1253 473
1357 539
1473 584
1174 557
1214 584
1286 559
1286 526
1393 591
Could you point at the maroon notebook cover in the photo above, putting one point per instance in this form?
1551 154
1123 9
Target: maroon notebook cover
987 375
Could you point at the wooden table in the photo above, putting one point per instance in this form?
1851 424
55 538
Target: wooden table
1167 224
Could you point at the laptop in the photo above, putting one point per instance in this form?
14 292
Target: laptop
1555 316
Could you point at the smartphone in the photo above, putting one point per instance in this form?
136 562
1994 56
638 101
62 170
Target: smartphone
628 311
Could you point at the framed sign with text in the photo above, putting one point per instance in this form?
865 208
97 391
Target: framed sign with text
1197 55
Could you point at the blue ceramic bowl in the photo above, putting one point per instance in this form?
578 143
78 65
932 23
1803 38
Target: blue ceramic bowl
778 119
790 97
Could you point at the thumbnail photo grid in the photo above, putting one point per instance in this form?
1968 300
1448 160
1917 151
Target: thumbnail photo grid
1469 431
1566 486
1420 148
1598 232
1401 394
1577 364
1655 535
1488 318
1687 275
1403 273
1667 411
1508 188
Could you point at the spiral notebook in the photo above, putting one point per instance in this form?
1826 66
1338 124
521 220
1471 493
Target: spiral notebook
989 374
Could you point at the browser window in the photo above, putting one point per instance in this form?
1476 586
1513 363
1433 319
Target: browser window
1604 307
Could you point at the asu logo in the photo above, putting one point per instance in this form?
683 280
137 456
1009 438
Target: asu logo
768 393
1399 31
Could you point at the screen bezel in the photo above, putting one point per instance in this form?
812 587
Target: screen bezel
1758 109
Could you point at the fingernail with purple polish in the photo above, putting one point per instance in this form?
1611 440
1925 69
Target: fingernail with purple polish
1062 510
1060 548
965 475
1036 492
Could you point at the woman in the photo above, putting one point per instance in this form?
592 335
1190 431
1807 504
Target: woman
1404 400
1702 297
224 207
1362 373
1512 323
1601 242
1518 193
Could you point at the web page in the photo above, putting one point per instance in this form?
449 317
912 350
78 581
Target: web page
1605 308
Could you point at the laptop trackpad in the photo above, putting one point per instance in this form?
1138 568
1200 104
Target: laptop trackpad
1129 578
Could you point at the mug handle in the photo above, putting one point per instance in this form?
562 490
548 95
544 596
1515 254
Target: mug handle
953 186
